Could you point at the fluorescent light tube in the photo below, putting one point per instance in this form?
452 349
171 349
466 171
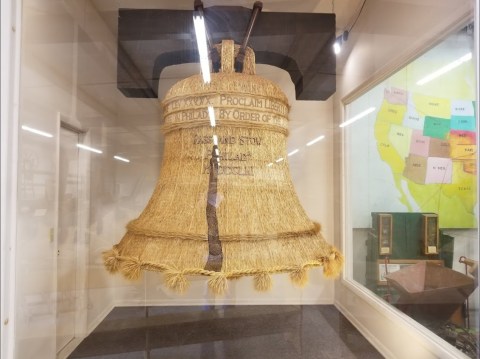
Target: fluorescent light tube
216 152
211 115
445 69
121 159
357 117
315 140
200 33
37 132
279 160
293 152
215 140
88 148
270 164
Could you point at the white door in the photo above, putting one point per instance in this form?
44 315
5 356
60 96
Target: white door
67 237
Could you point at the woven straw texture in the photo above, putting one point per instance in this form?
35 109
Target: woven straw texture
262 226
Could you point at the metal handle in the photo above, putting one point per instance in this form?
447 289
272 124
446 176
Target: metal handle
257 8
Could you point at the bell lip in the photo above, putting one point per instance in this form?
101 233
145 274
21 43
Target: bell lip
131 267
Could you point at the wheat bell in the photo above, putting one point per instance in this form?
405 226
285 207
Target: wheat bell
223 207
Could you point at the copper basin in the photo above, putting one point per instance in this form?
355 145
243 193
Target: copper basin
429 292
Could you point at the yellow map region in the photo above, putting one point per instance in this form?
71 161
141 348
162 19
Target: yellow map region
400 137
454 202
432 106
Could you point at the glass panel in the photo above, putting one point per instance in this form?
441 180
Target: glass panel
100 151
412 182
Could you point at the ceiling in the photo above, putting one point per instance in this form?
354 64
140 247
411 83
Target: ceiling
70 48
298 41
345 10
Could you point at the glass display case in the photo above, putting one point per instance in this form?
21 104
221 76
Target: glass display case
412 176
239 187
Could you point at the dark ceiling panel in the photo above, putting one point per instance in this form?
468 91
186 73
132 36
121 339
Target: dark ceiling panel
150 40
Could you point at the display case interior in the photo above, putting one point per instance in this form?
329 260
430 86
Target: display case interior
411 163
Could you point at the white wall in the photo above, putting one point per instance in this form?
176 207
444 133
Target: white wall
386 36
9 75
68 66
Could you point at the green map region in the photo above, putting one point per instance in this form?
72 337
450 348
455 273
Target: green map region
430 146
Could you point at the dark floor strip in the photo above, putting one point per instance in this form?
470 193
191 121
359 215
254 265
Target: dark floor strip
231 332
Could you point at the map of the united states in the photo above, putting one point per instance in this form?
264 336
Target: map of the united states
430 145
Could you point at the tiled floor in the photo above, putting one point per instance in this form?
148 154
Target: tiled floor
266 332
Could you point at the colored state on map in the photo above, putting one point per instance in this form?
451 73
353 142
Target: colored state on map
462 108
436 127
464 152
463 147
466 123
413 120
416 168
400 138
420 145
439 170
430 144
462 137
396 96
470 167
432 106
439 148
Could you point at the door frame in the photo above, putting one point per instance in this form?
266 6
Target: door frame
81 250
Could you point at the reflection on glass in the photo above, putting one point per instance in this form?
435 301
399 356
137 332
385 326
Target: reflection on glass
123 159
37 132
445 69
414 159
88 148
315 140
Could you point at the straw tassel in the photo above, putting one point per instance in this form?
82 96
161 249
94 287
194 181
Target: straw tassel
262 282
110 259
176 281
218 284
299 277
317 227
332 264
131 268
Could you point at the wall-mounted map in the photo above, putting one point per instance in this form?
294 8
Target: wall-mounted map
430 143
417 151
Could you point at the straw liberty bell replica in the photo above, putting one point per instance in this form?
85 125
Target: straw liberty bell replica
223 207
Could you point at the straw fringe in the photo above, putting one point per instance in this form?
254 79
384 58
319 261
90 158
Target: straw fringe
110 259
332 264
259 259
218 284
176 281
262 282
317 227
299 277
131 268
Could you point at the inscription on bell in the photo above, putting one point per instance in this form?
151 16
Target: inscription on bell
231 170
228 140
194 115
191 101
227 102
255 102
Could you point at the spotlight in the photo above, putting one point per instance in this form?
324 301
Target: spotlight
337 45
